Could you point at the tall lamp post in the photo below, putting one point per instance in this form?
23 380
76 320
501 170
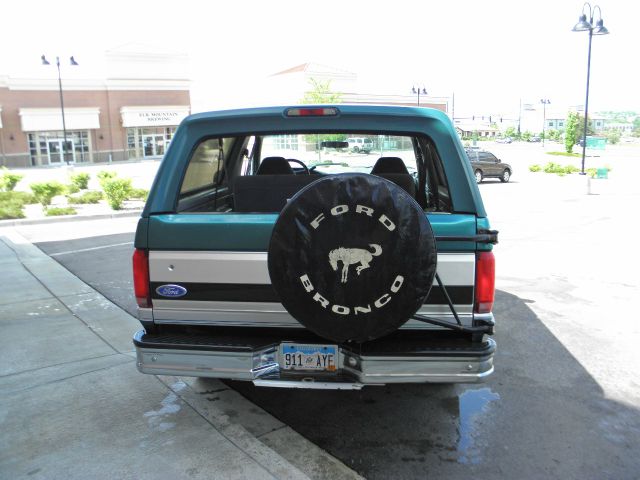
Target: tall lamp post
544 102
586 25
419 90
72 62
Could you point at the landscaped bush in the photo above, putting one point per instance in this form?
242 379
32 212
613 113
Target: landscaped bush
71 188
45 191
57 211
8 180
117 191
553 168
10 206
80 180
105 175
535 168
571 169
84 198
138 193
25 198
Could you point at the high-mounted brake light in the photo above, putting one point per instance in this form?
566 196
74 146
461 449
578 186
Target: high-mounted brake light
485 282
312 112
141 278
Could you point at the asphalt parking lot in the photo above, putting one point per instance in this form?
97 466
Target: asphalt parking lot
565 399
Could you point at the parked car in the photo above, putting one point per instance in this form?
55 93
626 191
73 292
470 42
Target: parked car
535 139
336 276
504 140
360 144
487 165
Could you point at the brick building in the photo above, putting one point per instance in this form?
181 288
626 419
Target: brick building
132 113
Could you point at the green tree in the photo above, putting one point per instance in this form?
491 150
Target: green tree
613 136
321 93
571 132
636 127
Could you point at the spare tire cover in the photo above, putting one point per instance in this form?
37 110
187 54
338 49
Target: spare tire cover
352 257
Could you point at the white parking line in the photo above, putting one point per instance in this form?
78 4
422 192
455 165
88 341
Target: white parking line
89 249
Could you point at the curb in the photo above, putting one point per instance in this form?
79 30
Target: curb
68 218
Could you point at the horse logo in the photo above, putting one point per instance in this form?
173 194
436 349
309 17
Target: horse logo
353 256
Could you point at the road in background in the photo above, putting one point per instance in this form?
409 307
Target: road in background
564 401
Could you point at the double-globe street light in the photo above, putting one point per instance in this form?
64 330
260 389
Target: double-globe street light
419 90
586 25
72 62
544 102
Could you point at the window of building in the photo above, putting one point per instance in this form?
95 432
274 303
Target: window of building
148 142
48 148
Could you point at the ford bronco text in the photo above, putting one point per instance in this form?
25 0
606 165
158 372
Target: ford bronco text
269 251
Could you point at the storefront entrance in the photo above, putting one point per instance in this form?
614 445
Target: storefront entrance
56 149
148 142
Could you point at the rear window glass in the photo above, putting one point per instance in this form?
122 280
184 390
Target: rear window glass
206 167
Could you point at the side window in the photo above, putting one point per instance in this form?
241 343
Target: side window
206 167
491 157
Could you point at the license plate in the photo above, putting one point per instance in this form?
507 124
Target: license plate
294 356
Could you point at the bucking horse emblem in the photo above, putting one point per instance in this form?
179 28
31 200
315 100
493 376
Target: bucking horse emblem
353 256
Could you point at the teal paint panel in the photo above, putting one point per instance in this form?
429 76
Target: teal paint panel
252 232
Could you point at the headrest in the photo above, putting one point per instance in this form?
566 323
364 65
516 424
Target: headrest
389 165
274 166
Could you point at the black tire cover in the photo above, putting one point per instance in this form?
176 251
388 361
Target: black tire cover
352 257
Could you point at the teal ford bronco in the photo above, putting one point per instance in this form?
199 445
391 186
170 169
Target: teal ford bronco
268 251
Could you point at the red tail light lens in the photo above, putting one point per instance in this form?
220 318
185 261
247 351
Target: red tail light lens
141 278
485 282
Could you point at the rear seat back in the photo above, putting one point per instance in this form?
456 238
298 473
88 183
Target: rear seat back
267 193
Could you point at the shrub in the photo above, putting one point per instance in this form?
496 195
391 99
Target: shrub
84 198
571 169
138 193
105 175
45 191
535 168
552 167
56 211
80 180
72 188
117 191
592 172
24 198
8 180
11 205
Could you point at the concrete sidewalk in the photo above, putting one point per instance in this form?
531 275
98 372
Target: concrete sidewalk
73 405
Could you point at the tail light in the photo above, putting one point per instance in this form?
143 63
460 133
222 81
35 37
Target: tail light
141 278
485 282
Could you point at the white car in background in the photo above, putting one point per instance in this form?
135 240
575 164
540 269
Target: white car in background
360 144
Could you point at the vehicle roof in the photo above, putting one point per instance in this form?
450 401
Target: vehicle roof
350 118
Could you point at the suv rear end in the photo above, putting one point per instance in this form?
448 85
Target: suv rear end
260 257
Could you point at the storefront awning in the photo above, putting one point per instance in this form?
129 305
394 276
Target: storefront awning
50 119
153 116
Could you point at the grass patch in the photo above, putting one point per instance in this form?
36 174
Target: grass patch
564 154
85 198
57 211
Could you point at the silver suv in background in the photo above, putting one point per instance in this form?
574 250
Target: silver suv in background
360 144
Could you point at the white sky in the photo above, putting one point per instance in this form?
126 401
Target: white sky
490 53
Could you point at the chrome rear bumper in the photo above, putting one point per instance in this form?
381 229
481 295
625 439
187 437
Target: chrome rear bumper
174 355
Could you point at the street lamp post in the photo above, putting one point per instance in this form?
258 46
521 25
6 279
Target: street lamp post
72 62
587 25
419 90
544 102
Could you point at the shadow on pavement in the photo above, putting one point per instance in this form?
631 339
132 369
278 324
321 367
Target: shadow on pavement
540 415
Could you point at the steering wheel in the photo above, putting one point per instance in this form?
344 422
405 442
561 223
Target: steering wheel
295 160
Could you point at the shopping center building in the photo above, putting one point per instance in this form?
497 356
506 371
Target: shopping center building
129 114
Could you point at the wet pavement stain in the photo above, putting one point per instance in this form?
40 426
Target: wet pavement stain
473 405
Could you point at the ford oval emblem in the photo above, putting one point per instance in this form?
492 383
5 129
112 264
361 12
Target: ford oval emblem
171 291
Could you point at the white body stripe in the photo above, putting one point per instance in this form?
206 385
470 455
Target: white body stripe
251 267
456 269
